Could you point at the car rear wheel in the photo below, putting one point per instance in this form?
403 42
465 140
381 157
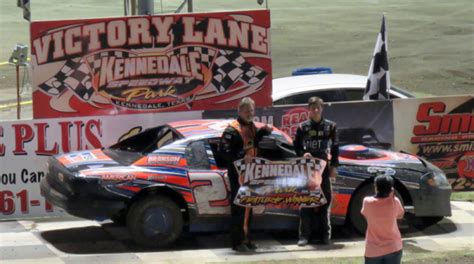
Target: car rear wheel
357 220
155 221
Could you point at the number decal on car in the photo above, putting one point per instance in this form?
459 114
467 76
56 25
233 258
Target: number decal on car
210 192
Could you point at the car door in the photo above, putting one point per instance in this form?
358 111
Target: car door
208 179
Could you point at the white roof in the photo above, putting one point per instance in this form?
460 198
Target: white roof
285 86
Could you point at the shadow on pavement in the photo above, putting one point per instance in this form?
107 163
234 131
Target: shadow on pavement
445 226
112 238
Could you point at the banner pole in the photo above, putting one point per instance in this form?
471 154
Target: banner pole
18 92
133 7
190 6
146 7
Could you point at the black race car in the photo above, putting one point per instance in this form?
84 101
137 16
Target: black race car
171 178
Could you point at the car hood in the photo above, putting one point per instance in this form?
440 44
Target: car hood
82 160
416 166
382 158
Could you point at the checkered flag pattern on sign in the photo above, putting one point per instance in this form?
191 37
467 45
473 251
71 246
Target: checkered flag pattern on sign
95 59
245 191
230 66
302 161
207 54
241 166
76 74
73 75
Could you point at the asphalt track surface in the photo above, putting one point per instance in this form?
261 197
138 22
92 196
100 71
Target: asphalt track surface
73 240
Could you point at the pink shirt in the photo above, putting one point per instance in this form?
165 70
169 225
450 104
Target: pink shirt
382 236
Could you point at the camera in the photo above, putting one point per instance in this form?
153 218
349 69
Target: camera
19 55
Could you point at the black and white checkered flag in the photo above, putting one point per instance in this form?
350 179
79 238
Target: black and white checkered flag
378 80
207 54
230 66
74 75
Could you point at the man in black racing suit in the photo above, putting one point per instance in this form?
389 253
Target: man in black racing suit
240 141
316 137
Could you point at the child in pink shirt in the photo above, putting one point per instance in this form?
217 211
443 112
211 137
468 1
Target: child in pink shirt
383 241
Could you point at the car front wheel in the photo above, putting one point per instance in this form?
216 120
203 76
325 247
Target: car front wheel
356 218
155 221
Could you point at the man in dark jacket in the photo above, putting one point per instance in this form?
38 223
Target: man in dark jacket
240 141
316 137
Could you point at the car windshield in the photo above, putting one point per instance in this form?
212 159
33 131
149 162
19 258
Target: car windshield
402 91
360 155
133 148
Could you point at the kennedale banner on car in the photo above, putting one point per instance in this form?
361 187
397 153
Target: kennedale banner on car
283 184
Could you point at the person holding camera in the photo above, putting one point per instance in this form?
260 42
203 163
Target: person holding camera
383 241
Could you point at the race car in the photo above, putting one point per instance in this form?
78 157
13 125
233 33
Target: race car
172 178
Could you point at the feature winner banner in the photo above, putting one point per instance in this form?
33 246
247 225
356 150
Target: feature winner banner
25 147
291 184
147 64
440 129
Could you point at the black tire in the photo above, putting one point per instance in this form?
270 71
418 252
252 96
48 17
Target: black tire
119 218
357 220
155 221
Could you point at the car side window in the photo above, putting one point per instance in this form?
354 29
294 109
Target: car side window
354 94
196 156
165 139
215 144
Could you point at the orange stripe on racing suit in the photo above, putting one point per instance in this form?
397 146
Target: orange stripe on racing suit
248 134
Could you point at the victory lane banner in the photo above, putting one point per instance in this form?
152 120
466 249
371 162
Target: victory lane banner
283 184
145 64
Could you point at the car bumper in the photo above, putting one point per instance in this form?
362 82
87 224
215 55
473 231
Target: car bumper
79 197
431 201
84 205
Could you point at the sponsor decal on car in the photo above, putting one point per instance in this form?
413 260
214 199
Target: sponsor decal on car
381 170
118 177
163 159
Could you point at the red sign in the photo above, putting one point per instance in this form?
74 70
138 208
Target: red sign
150 64
438 126
441 130
292 118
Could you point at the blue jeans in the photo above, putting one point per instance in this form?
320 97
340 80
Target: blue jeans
392 258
